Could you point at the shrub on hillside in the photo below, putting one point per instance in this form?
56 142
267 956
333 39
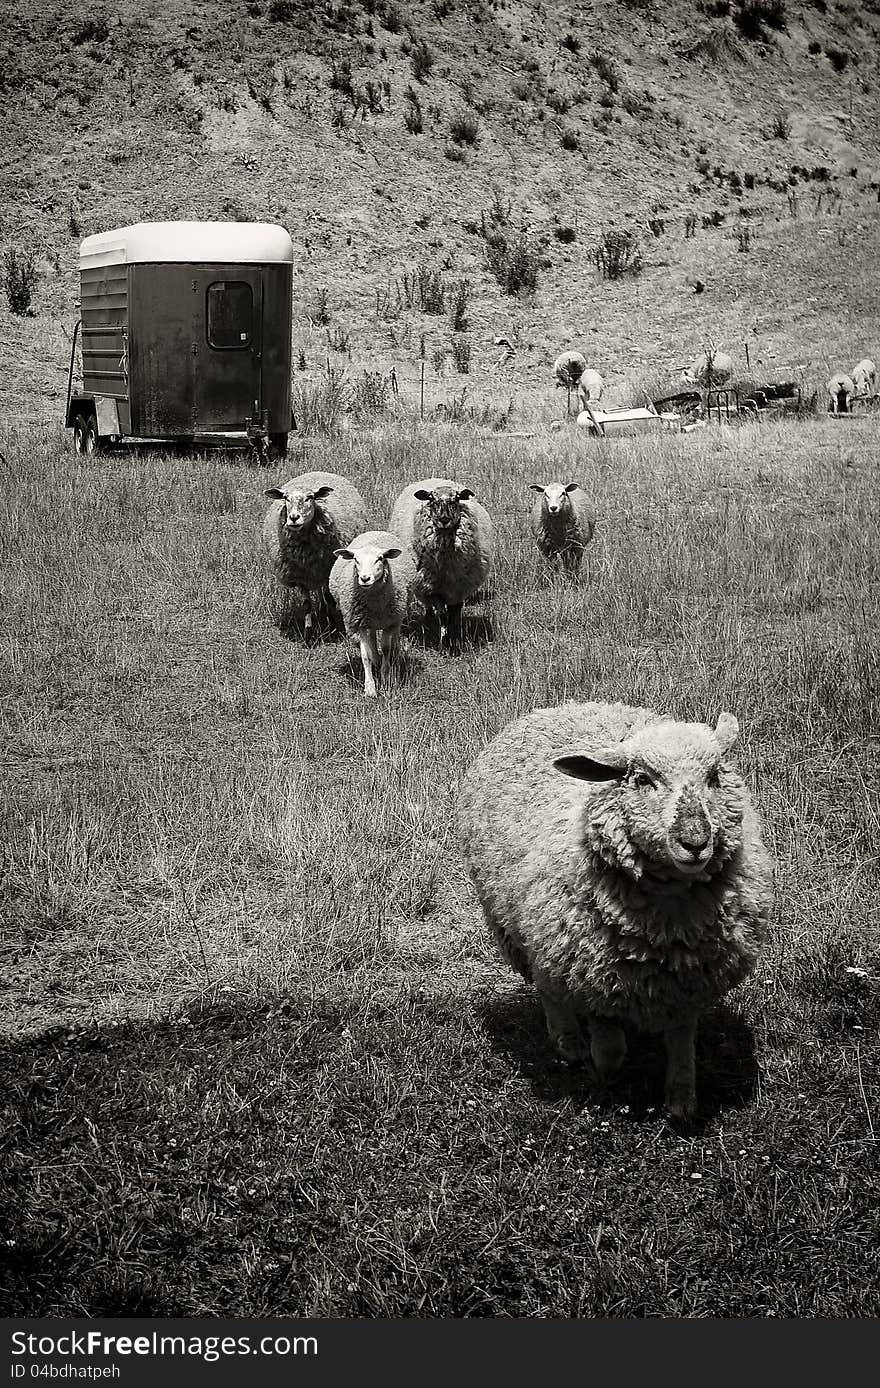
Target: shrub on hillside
422 60
514 262
412 113
617 253
604 69
754 17
464 128
460 294
780 126
461 353
20 276
837 58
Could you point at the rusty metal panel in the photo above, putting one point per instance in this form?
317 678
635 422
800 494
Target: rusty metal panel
104 314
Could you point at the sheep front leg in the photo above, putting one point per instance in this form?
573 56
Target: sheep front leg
681 1095
563 1027
370 658
607 1046
388 641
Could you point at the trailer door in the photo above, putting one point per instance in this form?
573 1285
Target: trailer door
228 375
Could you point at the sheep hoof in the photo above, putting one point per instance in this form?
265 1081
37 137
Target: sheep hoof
681 1104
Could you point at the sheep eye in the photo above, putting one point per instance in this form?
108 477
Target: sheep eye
642 781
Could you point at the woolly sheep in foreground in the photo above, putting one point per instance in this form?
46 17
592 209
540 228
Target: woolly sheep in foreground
449 536
568 368
864 377
562 522
841 390
618 859
370 582
310 517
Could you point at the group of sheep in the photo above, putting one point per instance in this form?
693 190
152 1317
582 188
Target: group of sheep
437 552
616 854
860 384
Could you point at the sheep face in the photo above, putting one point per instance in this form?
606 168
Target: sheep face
299 510
443 509
370 564
672 807
556 496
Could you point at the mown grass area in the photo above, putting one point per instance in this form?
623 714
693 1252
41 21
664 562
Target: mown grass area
258 1055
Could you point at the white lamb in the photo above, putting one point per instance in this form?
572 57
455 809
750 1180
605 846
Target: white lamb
450 538
370 582
709 369
590 388
562 522
618 859
864 377
841 389
310 517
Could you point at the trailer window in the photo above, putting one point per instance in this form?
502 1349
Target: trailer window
230 314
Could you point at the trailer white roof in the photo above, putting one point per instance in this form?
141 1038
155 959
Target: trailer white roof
206 243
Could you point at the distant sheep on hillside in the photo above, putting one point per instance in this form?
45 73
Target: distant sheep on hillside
710 369
840 393
864 377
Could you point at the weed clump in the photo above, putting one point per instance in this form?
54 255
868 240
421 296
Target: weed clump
617 253
20 276
464 128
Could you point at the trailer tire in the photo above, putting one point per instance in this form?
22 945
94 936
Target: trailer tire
277 447
85 435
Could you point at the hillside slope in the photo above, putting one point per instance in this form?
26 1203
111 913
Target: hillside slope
569 118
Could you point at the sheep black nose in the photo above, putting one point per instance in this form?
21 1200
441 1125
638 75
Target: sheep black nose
694 842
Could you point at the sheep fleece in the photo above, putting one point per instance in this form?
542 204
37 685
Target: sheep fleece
453 577
636 953
373 609
305 561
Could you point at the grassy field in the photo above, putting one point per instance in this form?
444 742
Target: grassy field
258 1055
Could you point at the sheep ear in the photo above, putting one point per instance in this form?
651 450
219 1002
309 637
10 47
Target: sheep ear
726 731
422 495
536 486
321 493
602 765
391 553
571 486
276 493
465 495
343 553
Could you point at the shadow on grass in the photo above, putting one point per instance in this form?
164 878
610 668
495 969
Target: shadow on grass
477 631
727 1069
405 669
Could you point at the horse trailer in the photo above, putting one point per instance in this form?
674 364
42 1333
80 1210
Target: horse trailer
186 336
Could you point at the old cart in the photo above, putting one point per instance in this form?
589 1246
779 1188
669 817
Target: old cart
186 336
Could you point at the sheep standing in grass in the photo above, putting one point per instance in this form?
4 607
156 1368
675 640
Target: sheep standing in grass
310 517
841 390
562 522
590 388
709 370
370 583
618 859
450 537
864 377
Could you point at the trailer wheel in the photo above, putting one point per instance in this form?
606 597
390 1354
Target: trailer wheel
85 435
277 446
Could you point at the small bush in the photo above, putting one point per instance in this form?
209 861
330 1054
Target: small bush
422 60
464 128
572 43
617 253
604 69
837 58
282 11
568 139
318 407
412 114
522 88
391 18
461 353
814 46
780 126
565 234
459 294
20 279
338 339
558 102
368 395
92 31
514 263
753 17
319 311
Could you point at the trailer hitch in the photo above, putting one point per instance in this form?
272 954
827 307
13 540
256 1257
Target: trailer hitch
258 436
